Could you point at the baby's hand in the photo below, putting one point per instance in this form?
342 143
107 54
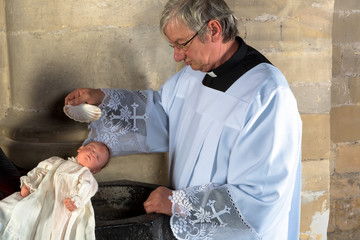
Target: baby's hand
25 191
70 205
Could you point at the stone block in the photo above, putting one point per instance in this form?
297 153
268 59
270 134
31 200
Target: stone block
344 235
343 21
3 51
312 98
345 186
316 136
2 16
69 15
263 30
336 60
252 9
4 92
347 214
314 199
332 217
347 5
307 23
315 180
348 158
314 219
345 124
354 87
149 168
4 75
340 91
351 60
303 66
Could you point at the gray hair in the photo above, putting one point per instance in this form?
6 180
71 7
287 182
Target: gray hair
195 13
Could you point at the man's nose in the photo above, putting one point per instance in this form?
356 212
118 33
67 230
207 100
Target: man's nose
179 54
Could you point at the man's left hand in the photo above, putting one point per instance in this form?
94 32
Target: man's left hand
159 202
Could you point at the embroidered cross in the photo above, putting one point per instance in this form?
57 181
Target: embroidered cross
218 214
205 216
136 117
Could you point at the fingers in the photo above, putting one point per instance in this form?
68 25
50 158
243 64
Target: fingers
84 95
70 205
76 97
71 96
159 202
25 191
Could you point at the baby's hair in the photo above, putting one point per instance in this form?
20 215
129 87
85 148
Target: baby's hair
108 160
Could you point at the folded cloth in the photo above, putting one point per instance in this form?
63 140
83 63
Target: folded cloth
9 176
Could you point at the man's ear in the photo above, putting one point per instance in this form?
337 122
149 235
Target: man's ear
215 30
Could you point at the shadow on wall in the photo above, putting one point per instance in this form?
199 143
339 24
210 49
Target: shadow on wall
30 136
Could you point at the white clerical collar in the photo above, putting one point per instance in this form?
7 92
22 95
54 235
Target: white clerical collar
211 74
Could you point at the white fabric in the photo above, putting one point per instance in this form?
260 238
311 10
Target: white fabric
212 74
242 146
42 214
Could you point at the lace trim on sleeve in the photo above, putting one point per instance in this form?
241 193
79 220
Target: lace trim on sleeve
37 174
76 200
208 212
122 125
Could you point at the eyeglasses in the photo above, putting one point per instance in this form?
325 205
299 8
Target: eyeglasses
185 46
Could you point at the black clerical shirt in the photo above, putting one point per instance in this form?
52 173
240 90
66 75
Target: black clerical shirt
242 61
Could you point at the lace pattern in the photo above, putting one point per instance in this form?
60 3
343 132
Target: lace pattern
207 212
122 126
76 200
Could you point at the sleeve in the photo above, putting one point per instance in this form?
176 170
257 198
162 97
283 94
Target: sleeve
262 173
36 175
131 122
208 212
85 189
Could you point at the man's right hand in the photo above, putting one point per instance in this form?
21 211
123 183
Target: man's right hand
84 95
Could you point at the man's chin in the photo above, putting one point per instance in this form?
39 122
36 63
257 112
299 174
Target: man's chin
196 68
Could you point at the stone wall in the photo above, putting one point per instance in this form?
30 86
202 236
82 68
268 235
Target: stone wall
48 48
345 123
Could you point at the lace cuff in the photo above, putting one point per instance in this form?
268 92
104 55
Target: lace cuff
122 126
207 212
76 200
25 180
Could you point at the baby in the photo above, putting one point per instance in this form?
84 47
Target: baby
54 201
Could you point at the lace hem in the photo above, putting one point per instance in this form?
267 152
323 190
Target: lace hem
207 212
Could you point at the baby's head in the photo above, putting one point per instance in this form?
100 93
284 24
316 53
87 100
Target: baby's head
94 155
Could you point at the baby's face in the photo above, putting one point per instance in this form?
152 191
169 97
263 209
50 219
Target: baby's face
93 155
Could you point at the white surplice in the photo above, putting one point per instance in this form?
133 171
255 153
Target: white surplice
235 156
42 214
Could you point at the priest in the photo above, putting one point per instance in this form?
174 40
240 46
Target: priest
229 122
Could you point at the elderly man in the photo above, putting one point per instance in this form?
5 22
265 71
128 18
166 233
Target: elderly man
230 123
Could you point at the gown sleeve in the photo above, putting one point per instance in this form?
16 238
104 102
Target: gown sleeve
262 173
84 190
37 174
128 125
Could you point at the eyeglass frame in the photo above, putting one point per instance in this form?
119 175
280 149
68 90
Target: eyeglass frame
182 46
